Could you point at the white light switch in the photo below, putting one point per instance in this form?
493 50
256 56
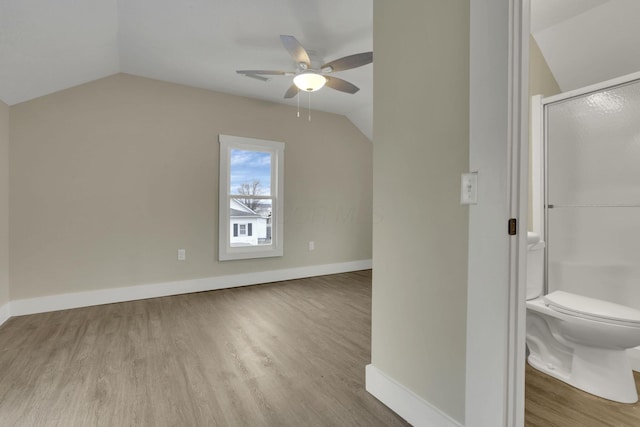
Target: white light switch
469 189
312 245
182 254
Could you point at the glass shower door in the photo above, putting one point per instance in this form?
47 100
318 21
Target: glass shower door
593 194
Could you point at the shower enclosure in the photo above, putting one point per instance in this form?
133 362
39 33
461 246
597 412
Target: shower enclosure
589 191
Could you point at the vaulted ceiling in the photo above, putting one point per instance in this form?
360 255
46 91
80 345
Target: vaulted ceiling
587 41
50 45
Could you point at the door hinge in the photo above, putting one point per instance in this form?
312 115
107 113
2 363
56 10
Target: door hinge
513 227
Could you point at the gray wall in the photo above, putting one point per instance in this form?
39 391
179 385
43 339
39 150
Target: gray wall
110 178
420 234
4 204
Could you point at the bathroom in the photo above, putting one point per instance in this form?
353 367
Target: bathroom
585 210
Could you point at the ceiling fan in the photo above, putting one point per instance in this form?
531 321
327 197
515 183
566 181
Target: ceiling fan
309 79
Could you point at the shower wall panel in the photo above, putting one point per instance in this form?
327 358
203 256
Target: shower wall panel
595 252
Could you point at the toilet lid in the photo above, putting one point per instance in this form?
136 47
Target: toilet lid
591 308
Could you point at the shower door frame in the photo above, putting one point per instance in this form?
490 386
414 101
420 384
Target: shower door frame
540 150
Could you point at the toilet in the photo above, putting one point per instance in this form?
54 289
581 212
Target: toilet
579 340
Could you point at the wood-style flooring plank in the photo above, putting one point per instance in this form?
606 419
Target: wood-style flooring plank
281 354
553 403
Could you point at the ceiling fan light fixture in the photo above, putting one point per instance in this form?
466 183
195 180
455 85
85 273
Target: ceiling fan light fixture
309 82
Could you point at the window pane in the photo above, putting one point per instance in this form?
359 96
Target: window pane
250 173
250 227
251 188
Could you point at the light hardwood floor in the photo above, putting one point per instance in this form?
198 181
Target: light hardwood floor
552 403
282 354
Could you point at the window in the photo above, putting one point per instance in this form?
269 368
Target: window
251 202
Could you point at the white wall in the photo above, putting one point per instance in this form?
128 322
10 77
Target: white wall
497 261
489 291
4 206
110 178
421 147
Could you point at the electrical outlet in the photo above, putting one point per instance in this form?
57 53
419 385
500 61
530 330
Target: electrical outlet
182 254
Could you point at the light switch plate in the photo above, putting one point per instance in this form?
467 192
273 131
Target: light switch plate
469 189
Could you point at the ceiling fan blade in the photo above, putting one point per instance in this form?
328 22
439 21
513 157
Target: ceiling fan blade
291 92
267 72
341 85
296 50
257 77
349 62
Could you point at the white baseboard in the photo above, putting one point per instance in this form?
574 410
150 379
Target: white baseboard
5 313
634 358
132 293
417 411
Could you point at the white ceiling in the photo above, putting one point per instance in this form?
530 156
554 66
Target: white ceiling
50 45
587 41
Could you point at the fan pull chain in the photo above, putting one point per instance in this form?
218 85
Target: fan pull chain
298 102
309 106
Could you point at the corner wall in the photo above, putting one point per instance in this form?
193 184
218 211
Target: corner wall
110 178
4 209
541 79
421 147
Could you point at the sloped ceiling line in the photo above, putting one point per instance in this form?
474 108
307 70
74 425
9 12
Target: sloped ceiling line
587 41
47 46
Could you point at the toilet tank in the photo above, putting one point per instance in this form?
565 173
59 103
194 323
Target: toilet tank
535 265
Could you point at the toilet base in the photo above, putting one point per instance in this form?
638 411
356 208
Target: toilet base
604 373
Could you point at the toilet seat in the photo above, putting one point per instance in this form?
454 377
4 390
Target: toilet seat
592 309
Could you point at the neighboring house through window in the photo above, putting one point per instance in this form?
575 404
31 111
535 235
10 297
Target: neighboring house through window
251 198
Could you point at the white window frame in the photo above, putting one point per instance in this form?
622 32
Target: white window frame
276 149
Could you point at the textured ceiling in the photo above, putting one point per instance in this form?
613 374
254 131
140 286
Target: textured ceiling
50 45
